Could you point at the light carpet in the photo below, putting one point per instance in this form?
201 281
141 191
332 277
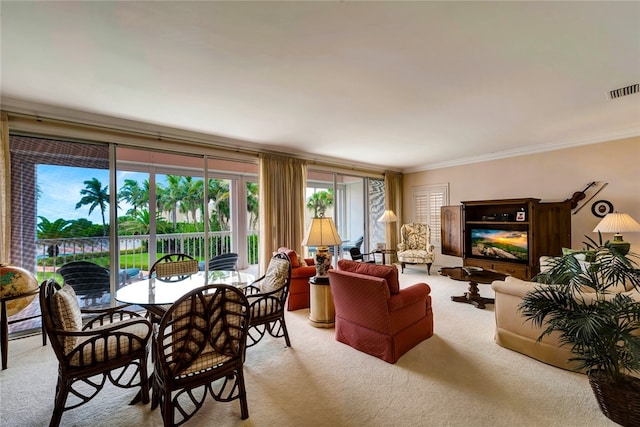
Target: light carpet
459 377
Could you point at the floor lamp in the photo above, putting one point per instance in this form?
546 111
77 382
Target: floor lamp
387 218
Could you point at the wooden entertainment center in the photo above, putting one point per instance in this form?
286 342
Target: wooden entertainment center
546 228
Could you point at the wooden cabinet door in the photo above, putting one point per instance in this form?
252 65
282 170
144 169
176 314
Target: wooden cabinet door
451 235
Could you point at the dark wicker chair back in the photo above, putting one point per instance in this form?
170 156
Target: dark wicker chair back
113 339
227 261
267 297
199 350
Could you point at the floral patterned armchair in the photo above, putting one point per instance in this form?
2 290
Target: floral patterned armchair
416 247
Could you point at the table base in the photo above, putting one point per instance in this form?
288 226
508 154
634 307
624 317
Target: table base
473 297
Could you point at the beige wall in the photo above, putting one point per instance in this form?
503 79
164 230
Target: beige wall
550 176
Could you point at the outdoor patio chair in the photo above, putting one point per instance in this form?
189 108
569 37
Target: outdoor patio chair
267 297
113 340
228 261
89 281
199 350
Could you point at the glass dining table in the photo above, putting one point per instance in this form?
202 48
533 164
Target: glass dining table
167 290
154 292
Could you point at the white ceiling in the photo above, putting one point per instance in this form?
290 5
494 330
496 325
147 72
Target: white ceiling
401 85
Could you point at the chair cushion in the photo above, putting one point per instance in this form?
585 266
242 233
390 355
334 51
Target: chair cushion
387 272
66 314
276 275
416 256
117 346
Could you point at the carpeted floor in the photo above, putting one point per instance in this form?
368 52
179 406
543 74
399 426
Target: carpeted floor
459 377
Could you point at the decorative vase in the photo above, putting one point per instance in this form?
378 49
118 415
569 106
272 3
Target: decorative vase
322 261
618 400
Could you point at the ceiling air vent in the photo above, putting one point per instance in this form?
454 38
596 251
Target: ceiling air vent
624 91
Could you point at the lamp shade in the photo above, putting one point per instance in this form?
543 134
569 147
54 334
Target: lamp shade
388 216
617 223
322 232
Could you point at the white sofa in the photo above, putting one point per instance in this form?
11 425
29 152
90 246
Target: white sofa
514 333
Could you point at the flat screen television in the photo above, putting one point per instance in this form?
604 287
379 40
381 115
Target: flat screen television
504 245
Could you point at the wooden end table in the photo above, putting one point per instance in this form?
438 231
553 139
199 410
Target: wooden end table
473 296
322 313
384 253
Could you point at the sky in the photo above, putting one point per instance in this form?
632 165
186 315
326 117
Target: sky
60 188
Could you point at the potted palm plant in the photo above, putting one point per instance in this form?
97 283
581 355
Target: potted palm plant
583 302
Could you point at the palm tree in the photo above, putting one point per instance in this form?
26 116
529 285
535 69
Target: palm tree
320 201
133 194
219 195
52 230
95 196
192 196
253 203
170 196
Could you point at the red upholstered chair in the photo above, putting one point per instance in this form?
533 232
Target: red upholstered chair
374 315
301 272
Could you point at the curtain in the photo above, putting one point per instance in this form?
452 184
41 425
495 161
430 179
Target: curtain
393 201
283 181
5 190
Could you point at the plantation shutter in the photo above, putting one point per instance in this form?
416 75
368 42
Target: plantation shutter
427 201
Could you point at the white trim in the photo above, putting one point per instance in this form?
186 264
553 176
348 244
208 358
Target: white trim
523 151
147 135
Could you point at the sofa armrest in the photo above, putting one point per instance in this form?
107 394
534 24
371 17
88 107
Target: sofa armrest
513 286
307 271
408 296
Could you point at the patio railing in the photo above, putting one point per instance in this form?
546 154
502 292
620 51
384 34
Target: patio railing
53 253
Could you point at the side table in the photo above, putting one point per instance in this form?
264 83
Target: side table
322 313
385 252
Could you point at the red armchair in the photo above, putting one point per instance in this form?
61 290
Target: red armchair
300 275
374 315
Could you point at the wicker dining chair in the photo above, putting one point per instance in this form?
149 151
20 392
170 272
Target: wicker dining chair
170 268
199 350
267 297
174 267
112 345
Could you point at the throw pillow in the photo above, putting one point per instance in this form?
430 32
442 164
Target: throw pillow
276 275
66 314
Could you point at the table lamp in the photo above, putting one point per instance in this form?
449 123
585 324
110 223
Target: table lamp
618 223
322 233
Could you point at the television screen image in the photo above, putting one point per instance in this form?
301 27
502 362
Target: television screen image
507 245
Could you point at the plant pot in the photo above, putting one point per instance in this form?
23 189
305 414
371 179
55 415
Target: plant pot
618 400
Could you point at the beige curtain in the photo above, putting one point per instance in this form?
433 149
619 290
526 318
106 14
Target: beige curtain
393 201
283 181
5 191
